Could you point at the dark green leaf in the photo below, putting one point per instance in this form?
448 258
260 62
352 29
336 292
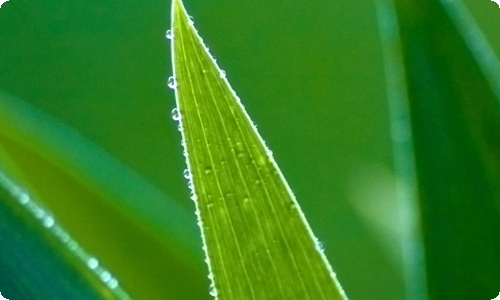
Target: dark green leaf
453 84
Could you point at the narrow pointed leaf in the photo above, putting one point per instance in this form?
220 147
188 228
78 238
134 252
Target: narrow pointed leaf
258 244
453 84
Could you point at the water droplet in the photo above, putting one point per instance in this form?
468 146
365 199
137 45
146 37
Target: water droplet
222 74
320 246
64 237
176 116
39 213
113 283
92 263
105 276
212 290
24 198
208 170
191 20
257 181
48 221
210 204
186 174
170 34
246 200
72 245
194 197
171 82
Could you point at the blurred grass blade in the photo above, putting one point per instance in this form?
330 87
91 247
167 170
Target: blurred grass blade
453 83
411 243
136 230
38 258
99 171
258 244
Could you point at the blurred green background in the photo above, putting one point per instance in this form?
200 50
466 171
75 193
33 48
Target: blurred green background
310 74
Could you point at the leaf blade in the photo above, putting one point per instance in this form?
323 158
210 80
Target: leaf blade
38 258
453 89
104 204
247 213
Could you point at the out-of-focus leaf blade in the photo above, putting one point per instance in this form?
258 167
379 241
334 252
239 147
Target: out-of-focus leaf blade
117 215
258 244
411 243
453 83
38 258
96 169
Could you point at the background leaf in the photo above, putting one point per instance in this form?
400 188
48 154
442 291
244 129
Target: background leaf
453 83
98 199
38 258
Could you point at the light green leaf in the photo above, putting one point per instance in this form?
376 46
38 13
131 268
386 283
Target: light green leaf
257 241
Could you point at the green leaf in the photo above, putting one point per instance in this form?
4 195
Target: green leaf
38 258
97 170
257 241
131 226
452 80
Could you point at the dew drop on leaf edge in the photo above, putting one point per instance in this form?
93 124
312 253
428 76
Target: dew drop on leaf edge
105 276
170 34
171 82
48 221
212 290
175 114
186 174
113 283
320 246
92 263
